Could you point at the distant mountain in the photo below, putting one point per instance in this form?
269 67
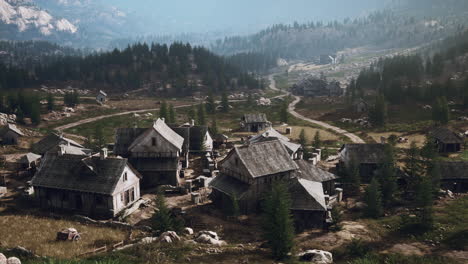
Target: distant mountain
23 20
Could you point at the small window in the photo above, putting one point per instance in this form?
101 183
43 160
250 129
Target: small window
153 141
125 176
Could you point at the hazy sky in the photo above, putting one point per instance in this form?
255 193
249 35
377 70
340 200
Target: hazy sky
239 15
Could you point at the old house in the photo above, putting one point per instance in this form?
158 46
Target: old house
313 86
197 139
52 141
101 97
11 134
313 173
254 122
368 157
96 186
155 152
29 161
447 141
220 140
295 150
250 170
454 176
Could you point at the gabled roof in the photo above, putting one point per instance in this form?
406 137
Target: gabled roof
307 195
229 186
165 131
15 129
28 158
446 136
365 153
454 170
255 118
80 173
72 150
51 141
265 158
102 92
124 137
272 133
310 172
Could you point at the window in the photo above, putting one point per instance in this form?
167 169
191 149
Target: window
125 176
153 141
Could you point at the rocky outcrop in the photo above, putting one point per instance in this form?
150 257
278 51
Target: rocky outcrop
316 256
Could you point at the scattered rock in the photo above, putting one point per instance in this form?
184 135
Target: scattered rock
316 256
3 259
190 242
13 260
188 231
169 237
209 233
148 240
209 237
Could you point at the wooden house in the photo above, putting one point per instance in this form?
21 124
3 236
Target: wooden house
101 97
29 161
254 122
96 186
295 150
155 152
447 141
367 156
197 139
454 176
52 142
308 171
11 134
250 170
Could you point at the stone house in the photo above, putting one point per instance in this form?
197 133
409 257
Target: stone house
95 186
454 176
156 152
101 97
52 142
367 156
254 122
295 150
249 171
447 141
11 135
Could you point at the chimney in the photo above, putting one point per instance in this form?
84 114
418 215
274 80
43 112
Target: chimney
163 119
103 154
192 122
61 151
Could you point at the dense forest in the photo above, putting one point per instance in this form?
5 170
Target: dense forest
175 70
383 29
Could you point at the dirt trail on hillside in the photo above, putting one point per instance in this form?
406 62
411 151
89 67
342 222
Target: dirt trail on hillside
292 110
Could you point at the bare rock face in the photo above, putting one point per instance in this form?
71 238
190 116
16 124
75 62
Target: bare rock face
3 259
316 256
13 260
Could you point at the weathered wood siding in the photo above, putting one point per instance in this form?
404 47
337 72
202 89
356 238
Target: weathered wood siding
162 145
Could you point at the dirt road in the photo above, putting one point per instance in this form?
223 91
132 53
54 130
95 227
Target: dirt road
292 110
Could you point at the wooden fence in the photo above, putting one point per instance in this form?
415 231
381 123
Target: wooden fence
105 248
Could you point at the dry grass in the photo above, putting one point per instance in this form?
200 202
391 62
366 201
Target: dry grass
418 138
310 133
38 234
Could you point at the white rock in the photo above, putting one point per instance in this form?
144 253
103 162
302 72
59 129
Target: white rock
171 234
190 242
166 239
188 231
3 259
316 256
209 233
203 239
149 240
13 260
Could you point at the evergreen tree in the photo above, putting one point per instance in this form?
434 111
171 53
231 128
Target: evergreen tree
424 192
373 199
337 218
224 103
163 112
35 113
192 114
353 177
441 111
317 144
414 168
214 127
303 138
278 225
50 102
284 115
435 174
172 115
210 103
201 114
387 176
20 116
378 113
98 138
162 219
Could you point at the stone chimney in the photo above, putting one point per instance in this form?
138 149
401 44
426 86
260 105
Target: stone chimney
61 151
192 122
163 119
103 154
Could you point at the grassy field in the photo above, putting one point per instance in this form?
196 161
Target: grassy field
38 234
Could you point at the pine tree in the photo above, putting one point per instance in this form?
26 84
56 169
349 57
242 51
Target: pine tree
20 116
284 115
210 103
214 127
172 115
224 103
278 225
353 177
163 112
98 138
303 138
435 174
162 219
373 199
388 179
35 113
378 113
50 102
317 140
201 114
192 114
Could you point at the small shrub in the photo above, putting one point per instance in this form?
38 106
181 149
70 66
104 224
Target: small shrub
357 249
458 240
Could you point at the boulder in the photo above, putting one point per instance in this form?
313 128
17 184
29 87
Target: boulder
3 259
209 233
13 260
171 234
203 239
149 240
188 231
165 239
316 256
22 252
190 242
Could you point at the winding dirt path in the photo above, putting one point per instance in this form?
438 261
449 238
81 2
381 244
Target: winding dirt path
292 110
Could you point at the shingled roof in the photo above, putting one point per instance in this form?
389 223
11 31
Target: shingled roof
365 153
446 136
307 195
124 137
165 131
310 172
13 128
272 133
80 173
454 170
255 118
51 141
265 158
